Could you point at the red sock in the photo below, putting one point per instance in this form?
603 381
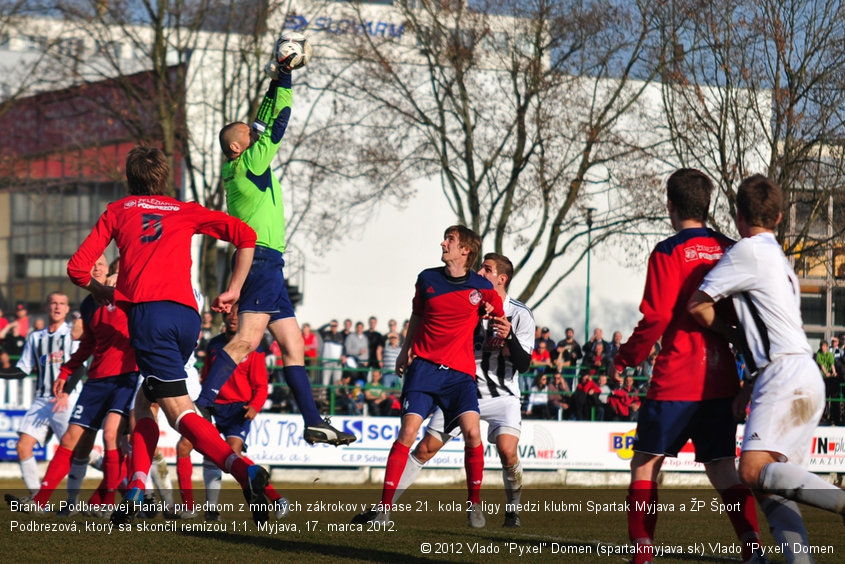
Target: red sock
396 461
56 472
122 481
206 440
744 520
111 474
144 442
641 526
474 466
184 473
97 496
269 491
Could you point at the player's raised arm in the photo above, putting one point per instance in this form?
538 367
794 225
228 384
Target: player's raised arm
80 264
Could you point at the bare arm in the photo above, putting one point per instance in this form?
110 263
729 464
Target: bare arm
703 310
243 260
402 360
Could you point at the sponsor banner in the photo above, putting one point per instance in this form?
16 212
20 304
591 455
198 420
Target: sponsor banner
10 422
351 25
276 440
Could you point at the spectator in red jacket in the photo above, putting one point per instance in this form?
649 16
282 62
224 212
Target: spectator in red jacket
586 397
624 401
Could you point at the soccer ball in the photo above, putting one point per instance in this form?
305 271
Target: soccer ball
296 44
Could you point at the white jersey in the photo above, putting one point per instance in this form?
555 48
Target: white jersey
44 353
766 296
494 373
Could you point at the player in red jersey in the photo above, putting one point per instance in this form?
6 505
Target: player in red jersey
446 309
694 379
153 233
106 396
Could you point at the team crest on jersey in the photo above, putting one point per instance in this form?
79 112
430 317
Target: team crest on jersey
703 252
55 357
475 297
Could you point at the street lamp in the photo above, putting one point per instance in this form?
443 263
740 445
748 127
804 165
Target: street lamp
589 212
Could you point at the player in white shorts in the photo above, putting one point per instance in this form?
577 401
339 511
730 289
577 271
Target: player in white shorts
502 350
787 396
44 353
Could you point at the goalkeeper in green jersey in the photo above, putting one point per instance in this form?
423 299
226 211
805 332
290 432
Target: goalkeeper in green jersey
253 194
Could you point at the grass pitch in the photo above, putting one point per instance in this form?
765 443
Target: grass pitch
569 525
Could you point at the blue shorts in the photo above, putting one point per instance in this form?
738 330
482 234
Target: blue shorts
163 334
264 290
102 395
428 385
229 418
664 427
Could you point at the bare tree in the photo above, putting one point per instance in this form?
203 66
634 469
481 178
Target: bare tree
23 70
757 86
178 71
526 120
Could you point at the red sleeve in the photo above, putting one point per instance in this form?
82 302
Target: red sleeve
662 286
258 380
80 264
85 350
495 300
227 228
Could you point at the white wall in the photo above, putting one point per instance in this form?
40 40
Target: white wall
373 273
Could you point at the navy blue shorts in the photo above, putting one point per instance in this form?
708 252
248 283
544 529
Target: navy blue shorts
163 334
428 385
102 395
229 418
664 427
264 290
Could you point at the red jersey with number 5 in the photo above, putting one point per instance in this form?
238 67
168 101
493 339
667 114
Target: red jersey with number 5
153 234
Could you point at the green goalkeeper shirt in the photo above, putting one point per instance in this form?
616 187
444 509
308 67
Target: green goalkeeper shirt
253 193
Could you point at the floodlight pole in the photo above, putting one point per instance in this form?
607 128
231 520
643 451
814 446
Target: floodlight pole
589 212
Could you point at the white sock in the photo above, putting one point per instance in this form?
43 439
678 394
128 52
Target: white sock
512 476
78 467
409 475
161 478
213 478
29 472
787 527
794 482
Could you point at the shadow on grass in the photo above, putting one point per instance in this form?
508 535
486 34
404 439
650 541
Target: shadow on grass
339 552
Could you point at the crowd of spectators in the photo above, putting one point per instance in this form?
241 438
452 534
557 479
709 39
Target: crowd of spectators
352 370
831 360
570 381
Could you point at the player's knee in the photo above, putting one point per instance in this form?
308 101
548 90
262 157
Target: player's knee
406 436
472 437
423 452
749 474
507 456
69 441
183 448
24 450
239 347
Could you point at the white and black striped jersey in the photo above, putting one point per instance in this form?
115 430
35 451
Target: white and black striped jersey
43 355
766 296
494 372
